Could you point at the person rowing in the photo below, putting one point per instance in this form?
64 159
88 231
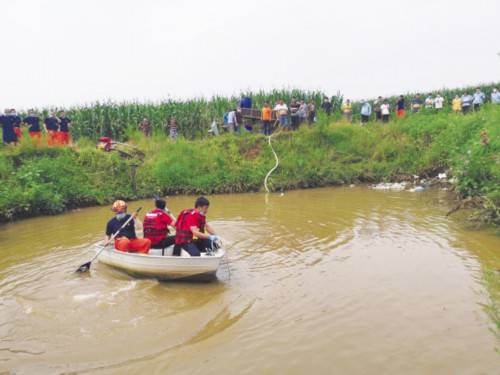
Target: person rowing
156 226
192 223
126 240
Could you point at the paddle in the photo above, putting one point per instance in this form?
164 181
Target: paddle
86 266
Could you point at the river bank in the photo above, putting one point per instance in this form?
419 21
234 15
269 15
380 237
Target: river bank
39 181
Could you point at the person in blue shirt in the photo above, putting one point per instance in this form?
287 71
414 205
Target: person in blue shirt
466 102
33 122
64 124
366 111
478 100
17 123
52 129
7 122
495 96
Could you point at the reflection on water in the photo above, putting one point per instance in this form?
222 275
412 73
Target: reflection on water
324 281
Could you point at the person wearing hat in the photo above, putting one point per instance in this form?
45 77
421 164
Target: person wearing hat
126 240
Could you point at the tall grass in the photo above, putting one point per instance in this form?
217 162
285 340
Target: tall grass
42 180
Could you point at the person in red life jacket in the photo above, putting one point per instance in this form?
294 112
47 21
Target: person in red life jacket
33 122
126 240
51 125
192 223
156 225
64 124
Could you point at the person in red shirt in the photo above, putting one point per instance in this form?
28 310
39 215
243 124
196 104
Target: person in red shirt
192 223
156 226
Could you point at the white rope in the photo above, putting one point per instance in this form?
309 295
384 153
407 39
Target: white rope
275 166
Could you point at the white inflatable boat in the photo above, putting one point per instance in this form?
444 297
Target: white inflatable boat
164 266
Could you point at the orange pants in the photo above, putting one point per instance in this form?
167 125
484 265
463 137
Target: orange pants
401 113
64 138
52 137
136 245
36 137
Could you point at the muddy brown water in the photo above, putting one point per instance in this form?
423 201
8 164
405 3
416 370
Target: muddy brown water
326 281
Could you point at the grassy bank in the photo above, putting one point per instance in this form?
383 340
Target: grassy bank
47 181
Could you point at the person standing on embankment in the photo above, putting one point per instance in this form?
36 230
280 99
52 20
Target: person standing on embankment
266 115
17 123
33 122
281 110
478 100
145 127
401 107
51 125
495 96
8 133
64 124
366 111
327 106
456 104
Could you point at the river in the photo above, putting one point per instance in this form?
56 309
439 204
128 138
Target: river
323 281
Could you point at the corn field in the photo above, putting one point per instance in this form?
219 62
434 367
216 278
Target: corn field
195 116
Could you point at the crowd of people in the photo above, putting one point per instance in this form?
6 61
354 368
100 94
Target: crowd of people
291 116
288 116
193 235
55 126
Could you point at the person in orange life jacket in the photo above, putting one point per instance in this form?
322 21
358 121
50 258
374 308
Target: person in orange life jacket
192 223
156 225
126 240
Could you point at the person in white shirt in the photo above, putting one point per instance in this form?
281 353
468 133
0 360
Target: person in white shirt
385 109
281 110
231 121
495 96
438 102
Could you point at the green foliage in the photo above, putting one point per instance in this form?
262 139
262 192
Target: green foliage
49 180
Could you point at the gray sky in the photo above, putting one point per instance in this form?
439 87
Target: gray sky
64 52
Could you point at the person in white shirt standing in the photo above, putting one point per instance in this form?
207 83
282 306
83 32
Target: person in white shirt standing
495 96
281 110
439 102
231 121
385 109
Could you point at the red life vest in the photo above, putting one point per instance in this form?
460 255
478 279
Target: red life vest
156 226
187 219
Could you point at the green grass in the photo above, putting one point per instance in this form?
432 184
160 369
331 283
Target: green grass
47 181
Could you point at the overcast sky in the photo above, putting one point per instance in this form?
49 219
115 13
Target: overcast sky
65 52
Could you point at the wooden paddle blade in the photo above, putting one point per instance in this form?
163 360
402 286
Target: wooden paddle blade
84 267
